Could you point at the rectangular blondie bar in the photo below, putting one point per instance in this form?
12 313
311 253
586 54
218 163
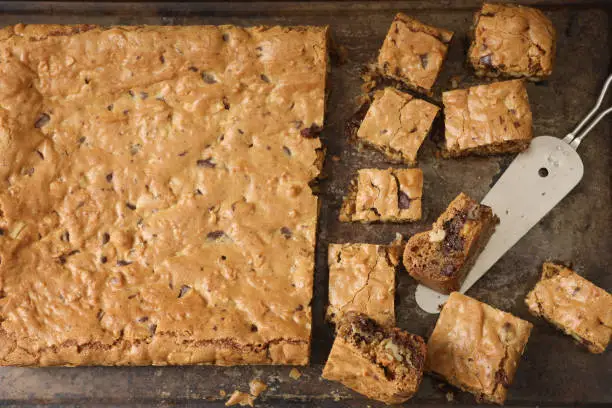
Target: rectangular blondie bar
476 347
574 305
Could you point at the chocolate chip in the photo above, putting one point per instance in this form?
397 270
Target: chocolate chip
182 153
62 259
215 235
103 259
105 238
109 177
517 124
264 78
65 236
162 59
152 329
287 150
100 314
144 95
286 232
299 308
225 37
143 319
424 60
123 263
183 291
453 240
193 69
311 132
502 378
198 191
1 232
253 328
403 200
42 120
206 163
226 104
130 206
110 107
486 60
209 79
87 80
448 270
131 93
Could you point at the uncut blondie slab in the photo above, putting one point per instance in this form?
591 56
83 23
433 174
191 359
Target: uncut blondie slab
362 279
391 195
413 52
513 41
442 257
574 305
396 124
476 347
487 119
381 363
155 207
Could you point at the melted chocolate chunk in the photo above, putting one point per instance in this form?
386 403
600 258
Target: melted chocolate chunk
453 240
42 120
403 200
286 232
215 235
184 290
311 132
208 163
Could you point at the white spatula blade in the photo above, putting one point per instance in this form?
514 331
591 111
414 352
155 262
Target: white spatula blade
531 186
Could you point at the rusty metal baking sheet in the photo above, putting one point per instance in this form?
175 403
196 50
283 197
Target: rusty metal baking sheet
552 372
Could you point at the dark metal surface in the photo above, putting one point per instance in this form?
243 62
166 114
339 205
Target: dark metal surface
553 371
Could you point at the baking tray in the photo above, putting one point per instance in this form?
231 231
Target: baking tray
553 371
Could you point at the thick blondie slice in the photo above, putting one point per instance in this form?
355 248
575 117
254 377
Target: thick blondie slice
381 363
487 119
513 41
413 52
574 305
442 257
396 124
476 347
384 195
362 279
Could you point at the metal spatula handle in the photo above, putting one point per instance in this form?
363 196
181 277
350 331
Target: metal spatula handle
571 137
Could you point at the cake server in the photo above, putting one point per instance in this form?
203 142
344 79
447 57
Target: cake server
533 184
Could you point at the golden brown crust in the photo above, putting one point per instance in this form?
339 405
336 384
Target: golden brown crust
487 119
574 305
442 257
413 52
384 195
397 123
362 279
513 41
156 202
476 347
385 364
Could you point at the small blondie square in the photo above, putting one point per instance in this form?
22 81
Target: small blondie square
487 119
384 195
413 52
384 364
512 41
442 257
574 305
476 347
396 124
362 279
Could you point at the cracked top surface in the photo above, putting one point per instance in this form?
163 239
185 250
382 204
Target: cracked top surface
477 347
384 195
362 279
413 52
574 304
487 115
154 199
397 123
512 40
